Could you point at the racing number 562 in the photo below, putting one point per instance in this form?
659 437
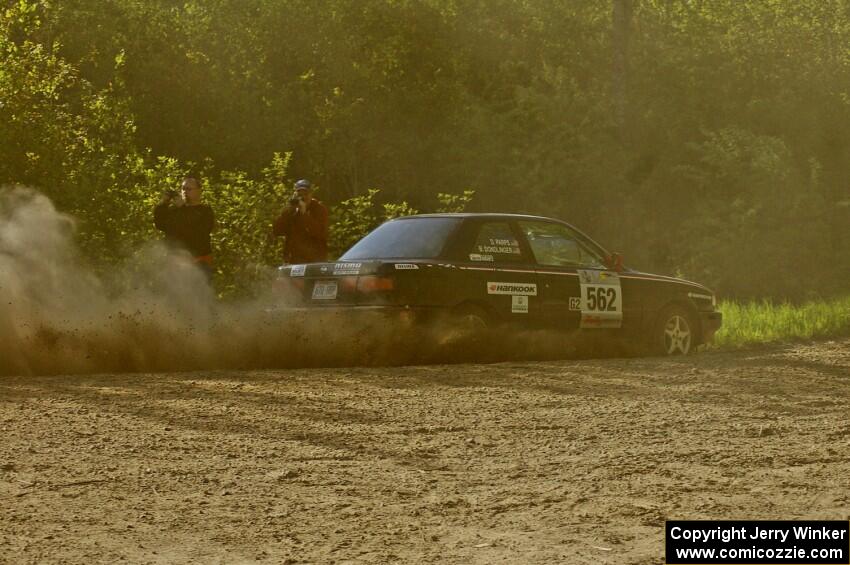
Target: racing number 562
602 298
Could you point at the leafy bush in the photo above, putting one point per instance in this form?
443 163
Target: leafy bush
454 202
724 160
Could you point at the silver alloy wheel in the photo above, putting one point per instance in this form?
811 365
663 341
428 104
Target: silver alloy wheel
677 335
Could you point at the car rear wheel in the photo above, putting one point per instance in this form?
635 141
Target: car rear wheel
470 318
462 327
674 334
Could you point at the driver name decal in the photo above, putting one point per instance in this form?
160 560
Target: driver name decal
503 246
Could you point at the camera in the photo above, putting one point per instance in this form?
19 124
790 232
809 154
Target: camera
171 193
295 200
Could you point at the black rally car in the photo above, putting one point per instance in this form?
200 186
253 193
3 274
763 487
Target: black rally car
488 269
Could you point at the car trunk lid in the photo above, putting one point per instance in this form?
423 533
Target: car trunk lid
337 283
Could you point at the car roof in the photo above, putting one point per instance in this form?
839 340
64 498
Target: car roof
490 215
503 216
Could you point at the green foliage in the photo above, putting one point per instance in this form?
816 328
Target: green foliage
753 198
353 218
398 210
454 202
245 209
747 323
724 157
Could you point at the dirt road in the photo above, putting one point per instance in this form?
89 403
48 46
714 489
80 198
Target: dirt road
543 462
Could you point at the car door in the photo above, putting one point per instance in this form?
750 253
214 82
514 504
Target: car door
577 290
499 272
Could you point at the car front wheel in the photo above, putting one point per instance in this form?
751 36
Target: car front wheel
674 334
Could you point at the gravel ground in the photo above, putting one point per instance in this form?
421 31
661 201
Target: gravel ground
532 462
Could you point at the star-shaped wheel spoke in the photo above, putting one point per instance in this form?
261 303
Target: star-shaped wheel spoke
677 336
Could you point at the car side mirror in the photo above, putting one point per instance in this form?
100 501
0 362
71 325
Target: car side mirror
615 262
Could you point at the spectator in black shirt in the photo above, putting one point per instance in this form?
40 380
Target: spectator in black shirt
187 223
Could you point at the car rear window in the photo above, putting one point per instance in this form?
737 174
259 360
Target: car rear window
414 238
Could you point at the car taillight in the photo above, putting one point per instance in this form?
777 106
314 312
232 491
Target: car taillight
375 284
348 284
288 286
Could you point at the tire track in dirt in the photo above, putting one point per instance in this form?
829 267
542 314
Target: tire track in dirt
538 462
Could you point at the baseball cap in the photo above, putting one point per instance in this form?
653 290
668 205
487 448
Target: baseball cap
303 184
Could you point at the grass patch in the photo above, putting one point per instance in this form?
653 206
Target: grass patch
765 322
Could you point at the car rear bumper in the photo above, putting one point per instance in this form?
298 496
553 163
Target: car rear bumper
710 322
404 313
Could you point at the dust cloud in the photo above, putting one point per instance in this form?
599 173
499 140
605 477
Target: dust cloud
155 313
158 313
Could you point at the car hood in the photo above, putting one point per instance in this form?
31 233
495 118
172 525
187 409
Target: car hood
662 278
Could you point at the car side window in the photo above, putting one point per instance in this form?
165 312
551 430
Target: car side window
496 242
557 246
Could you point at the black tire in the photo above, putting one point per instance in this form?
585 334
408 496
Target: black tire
471 318
462 330
674 333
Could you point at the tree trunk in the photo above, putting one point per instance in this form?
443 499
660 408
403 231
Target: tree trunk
622 20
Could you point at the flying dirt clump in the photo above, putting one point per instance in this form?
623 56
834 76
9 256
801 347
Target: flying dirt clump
158 313
57 316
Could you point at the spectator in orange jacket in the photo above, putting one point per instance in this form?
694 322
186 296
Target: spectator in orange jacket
304 223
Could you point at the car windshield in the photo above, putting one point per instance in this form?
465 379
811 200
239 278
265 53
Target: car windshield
412 238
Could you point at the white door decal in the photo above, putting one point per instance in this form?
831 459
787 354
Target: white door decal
519 304
601 299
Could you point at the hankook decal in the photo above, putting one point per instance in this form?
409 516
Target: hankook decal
527 289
